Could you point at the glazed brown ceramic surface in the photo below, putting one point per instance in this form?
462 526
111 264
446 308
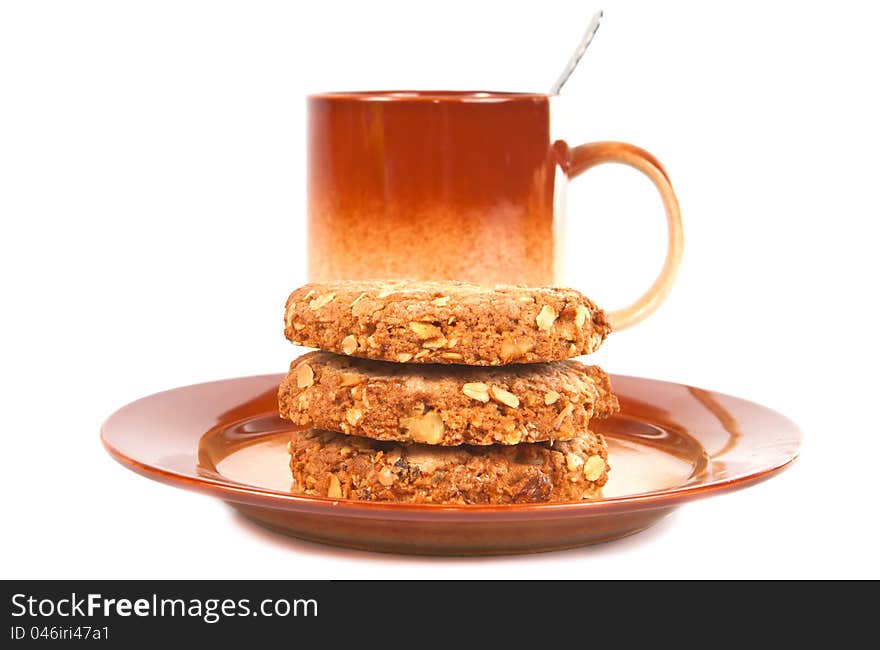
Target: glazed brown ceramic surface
670 444
392 176
444 185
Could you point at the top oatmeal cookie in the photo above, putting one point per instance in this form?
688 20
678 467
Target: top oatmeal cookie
444 322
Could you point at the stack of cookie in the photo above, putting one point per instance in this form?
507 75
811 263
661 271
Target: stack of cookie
445 392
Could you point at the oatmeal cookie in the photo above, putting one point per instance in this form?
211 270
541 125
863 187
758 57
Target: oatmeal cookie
444 322
334 465
445 405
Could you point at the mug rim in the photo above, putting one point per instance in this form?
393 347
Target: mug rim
435 96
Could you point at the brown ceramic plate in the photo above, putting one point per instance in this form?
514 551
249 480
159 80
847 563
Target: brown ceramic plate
669 444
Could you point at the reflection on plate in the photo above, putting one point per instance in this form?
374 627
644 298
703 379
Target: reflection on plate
669 444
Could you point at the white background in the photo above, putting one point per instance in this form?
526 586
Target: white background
152 204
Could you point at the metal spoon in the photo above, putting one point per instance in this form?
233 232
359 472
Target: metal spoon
578 53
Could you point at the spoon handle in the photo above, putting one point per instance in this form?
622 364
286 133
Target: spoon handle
592 28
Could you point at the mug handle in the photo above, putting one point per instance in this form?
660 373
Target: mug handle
575 161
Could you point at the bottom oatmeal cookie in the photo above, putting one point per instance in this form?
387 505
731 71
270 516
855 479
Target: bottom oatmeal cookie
325 463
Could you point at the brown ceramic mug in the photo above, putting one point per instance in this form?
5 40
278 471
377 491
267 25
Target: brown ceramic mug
454 185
